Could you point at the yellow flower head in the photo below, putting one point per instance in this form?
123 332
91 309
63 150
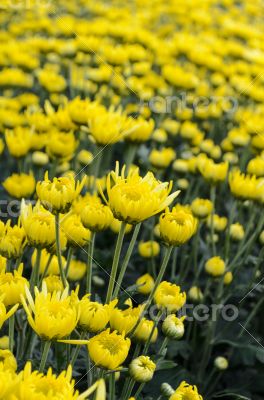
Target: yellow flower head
237 232
20 185
94 316
173 327
12 286
13 241
201 208
58 195
8 360
245 187
145 284
116 225
212 172
77 270
133 199
178 225
215 266
144 330
108 349
8 381
18 141
228 278
195 294
149 249
141 130
125 320
81 201
77 235
96 217
39 225
52 316
4 314
219 223
47 261
79 110
61 145
53 283
186 392
142 369
162 158
169 296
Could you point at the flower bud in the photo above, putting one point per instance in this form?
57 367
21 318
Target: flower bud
141 369
195 294
215 266
237 232
221 363
40 158
166 389
173 327
228 278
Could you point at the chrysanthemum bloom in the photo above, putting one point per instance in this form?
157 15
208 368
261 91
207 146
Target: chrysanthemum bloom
4 341
125 320
173 327
20 185
79 110
195 294
85 157
40 158
13 241
8 360
58 195
39 225
256 166
108 349
245 187
215 266
4 314
237 232
12 286
96 217
162 158
94 316
77 270
145 284
169 296
47 260
81 201
53 283
142 369
186 391
61 146
52 316
8 381
212 172
141 130
178 225
228 278
18 141
144 330
219 223
77 235
149 249
201 208
133 199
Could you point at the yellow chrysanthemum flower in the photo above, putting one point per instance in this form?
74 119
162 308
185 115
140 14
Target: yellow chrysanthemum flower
186 391
169 296
96 217
245 187
201 208
142 369
4 314
77 235
13 241
145 284
8 360
125 320
18 141
144 330
12 286
215 266
20 185
94 316
149 249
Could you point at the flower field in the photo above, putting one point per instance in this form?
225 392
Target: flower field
132 191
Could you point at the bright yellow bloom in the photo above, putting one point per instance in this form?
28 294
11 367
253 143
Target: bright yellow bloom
53 283
144 330
94 316
81 201
85 157
40 158
195 294
173 327
142 369
4 314
219 223
186 391
52 316
145 284
149 249
108 350
58 195
18 141
215 266
245 187
8 360
4 342
256 166
228 278
125 320
162 158
133 199
211 171
237 232
20 185
169 296
201 208
47 259
141 130
96 217
77 270
12 286
178 225
77 235
61 145
13 241
39 225
8 381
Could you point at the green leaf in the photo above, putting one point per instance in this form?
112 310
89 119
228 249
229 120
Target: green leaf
165 364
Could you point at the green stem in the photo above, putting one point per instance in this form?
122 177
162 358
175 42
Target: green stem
96 167
115 262
126 261
141 386
44 356
89 268
146 347
130 155
174 263
112 386
163 345
230 221
46 267
11 332
35 272
76 351
58 250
